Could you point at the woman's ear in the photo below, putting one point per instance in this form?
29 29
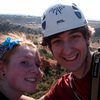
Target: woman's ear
2 70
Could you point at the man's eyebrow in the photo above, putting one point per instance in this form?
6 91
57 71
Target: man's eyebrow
69 33
58 35
74 31
55 36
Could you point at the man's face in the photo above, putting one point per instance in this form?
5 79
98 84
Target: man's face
70 49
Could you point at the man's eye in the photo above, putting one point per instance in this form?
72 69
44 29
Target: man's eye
75 36
56 41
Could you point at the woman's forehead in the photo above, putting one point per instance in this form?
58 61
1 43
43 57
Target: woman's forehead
26 50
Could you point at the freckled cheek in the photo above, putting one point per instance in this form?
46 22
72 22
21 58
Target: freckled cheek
15 75
13 80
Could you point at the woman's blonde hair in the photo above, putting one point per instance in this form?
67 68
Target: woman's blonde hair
19 36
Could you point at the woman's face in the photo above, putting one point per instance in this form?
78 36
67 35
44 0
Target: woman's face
70 50
23 73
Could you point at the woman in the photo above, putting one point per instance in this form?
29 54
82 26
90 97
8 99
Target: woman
19 67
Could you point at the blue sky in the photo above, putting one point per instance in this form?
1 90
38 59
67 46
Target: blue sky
90 8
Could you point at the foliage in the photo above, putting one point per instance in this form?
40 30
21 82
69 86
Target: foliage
96 39
46 53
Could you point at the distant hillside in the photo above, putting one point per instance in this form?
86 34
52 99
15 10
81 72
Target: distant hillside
31 24
96 25
28 24
22 20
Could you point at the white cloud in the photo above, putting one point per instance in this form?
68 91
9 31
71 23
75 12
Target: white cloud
36 7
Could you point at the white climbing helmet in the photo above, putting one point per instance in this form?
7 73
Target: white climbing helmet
60 18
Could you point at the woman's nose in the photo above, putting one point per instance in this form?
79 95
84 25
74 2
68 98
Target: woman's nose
36 70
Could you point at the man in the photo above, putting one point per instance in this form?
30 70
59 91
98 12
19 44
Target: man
67 35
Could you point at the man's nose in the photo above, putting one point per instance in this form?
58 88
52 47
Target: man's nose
67 48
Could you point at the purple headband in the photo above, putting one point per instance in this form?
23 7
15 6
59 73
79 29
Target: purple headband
7 45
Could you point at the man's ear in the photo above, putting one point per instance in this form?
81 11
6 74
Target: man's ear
88 42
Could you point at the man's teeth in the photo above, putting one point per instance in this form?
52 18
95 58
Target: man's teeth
70 58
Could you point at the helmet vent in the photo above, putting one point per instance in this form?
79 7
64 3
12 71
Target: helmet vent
57 10
77 11
44 25
78 14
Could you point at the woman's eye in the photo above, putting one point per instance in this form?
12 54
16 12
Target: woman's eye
25 63
38 64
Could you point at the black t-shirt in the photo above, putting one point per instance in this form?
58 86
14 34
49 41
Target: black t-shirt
3 97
